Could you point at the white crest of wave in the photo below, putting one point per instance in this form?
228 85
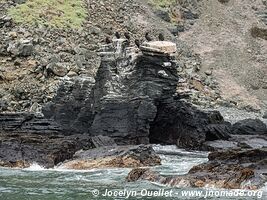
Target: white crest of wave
35 167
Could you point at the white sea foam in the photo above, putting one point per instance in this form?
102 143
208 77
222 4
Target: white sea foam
173 149
35 167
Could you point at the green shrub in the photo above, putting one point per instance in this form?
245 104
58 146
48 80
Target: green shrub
53 13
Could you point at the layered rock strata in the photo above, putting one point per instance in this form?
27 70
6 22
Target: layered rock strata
134 100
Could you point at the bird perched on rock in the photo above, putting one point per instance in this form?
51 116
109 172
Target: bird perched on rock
148 38
137 43
127 35
117 35
108 40
161 37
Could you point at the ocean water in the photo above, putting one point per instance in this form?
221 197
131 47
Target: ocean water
37 183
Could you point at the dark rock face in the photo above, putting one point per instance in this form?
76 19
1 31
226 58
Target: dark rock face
27 123
249 127
21 150
71 107
103 141
179 121
134 101
114 156
124 97
232 169
237 142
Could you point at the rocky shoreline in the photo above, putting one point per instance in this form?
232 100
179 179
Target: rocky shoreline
232 169
133 101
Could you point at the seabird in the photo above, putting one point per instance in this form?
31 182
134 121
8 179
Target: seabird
148 38
161 37
137 43
127 35
108 40
117 35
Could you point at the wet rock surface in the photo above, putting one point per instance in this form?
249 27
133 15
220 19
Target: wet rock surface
114 157
21 150
232 169
237 142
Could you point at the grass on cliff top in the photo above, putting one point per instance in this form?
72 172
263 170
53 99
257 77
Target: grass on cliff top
162 3
53 13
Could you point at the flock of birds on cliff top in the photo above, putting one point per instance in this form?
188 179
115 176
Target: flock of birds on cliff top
136 41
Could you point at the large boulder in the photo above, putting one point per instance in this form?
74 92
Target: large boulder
249 127
5 21
23 47
58 69
21 150
114 156
158 48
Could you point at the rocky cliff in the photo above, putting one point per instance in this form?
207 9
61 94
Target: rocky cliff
39 52
134 100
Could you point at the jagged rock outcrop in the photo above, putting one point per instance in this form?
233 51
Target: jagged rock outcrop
22 150
112 156
179 122
71 107
237 142
232 169
134 100
249 127
27 123
21 48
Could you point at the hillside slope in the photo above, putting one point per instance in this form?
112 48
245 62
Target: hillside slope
222 37
214 40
